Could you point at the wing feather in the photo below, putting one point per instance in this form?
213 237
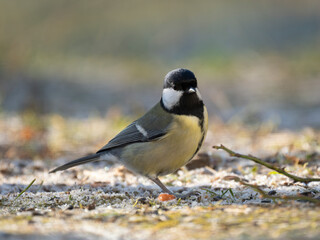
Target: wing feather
154 127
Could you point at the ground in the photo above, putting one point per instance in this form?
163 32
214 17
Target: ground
103 200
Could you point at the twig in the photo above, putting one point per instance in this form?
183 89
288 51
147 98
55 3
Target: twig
268 165
24 190
265 195
211 170
285 197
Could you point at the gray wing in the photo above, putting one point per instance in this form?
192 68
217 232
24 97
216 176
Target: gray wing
148 128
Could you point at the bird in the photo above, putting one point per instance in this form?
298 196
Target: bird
165 138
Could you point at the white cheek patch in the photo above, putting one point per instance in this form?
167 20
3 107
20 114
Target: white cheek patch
171 97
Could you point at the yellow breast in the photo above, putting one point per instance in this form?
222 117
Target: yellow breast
170 152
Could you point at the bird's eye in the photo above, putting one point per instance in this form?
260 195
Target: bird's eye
185 86
193 84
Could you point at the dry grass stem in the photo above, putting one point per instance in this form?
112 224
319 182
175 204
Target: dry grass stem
268 165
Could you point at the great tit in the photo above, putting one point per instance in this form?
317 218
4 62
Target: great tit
165 138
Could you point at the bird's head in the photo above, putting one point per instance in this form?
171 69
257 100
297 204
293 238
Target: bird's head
180 91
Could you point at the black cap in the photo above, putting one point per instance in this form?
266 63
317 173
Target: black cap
177 77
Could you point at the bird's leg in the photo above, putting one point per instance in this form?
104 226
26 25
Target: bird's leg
165 189
161 185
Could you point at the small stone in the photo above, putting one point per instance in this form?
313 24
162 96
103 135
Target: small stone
142 200
37 213
272 192
216 198
307 194
31 222
91 206
70 207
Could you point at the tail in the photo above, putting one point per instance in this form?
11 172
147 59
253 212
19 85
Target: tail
83 160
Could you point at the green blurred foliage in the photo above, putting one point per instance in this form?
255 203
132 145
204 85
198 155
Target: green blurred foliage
147 35
78 57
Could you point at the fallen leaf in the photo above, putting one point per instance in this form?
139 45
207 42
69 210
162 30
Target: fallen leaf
165 197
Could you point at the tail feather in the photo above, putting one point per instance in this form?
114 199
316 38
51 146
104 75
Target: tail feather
83 160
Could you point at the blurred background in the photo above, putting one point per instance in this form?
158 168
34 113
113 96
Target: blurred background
72 72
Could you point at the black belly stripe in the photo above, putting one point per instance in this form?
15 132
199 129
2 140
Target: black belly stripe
190 105
201 123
